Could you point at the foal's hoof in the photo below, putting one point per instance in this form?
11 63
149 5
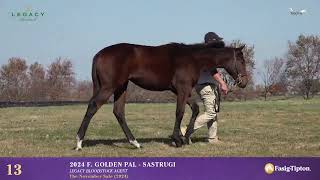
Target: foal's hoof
135 144
186 140
173 143
78 149
79 143
177 141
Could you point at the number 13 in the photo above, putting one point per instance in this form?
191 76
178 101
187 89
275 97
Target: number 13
17 170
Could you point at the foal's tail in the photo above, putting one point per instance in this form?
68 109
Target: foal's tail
95 78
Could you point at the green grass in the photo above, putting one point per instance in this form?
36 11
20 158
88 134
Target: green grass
253 128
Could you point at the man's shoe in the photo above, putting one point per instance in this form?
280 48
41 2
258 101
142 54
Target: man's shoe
214 141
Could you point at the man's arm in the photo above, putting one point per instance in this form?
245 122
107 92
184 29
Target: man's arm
221 82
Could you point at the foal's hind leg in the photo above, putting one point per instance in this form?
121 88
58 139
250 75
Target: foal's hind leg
94 104
119 112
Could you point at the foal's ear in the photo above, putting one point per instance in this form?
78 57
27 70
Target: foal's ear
241 47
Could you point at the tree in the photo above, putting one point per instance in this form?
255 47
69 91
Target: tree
303 65
14 80
37 82
60 79
271 75
83 90
281 87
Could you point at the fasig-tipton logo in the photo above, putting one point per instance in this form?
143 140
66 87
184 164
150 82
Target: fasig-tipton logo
28 14
269 168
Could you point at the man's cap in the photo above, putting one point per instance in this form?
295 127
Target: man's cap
211 36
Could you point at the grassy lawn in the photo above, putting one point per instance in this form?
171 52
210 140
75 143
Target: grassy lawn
253 128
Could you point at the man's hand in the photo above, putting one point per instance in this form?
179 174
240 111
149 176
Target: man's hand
221 82
224 88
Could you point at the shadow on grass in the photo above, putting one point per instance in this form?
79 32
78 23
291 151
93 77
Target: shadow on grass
114 142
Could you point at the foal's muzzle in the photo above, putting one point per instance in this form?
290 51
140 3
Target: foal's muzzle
241 81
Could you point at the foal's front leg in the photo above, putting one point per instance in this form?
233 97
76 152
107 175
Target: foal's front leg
182 97
195 112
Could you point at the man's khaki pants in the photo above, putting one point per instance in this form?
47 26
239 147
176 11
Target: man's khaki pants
209 117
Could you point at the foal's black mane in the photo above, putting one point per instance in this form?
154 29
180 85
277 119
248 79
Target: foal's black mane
217 44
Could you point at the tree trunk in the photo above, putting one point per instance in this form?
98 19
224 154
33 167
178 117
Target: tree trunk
265 94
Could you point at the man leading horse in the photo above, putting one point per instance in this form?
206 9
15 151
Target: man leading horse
207 87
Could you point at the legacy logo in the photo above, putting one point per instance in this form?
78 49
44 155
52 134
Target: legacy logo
27 15
269 168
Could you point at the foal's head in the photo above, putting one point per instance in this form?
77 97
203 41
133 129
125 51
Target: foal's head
235 65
